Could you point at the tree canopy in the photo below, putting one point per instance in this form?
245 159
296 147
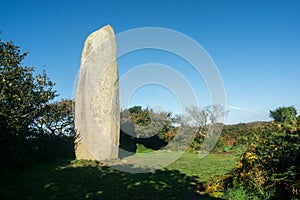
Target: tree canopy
26 104
284 114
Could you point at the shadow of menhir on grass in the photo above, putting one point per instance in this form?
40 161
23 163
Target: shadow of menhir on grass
96 182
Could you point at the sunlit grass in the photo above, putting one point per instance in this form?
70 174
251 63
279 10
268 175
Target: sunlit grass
205 168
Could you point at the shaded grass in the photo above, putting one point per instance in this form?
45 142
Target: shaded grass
90 180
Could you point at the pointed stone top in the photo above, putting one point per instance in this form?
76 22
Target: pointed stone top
104 36
106 31
109 29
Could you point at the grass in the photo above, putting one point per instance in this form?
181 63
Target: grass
209 167
90 180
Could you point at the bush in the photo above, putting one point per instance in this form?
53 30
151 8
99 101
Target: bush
47 149
270 168
142 149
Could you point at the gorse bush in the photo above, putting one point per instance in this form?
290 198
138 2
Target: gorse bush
270 168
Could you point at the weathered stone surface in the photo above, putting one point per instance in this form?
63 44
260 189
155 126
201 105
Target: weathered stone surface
97 112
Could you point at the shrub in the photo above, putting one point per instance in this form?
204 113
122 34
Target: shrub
270 168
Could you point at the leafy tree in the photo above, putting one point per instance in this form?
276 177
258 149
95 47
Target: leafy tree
135 109
53 132
141 118
152 129
23 98
147 122
284 114
57 119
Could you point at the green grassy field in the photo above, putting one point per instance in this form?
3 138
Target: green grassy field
91 180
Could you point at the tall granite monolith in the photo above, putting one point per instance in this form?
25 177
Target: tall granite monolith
97 112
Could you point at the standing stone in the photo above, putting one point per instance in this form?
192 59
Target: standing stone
97 112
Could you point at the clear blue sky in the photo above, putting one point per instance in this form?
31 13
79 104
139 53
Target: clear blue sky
255 44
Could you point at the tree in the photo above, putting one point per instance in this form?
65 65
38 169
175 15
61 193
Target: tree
57 119
284 114
23 98
135 109
198 118
152 129
215 112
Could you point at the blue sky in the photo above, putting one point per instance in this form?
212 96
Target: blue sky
255 45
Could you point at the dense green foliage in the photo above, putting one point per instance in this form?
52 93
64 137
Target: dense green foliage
284 114
26 110
270 167
234 138
57 119
149 129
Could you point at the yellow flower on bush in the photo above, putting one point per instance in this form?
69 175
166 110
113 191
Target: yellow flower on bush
293 130
279 126
250 156
239 164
